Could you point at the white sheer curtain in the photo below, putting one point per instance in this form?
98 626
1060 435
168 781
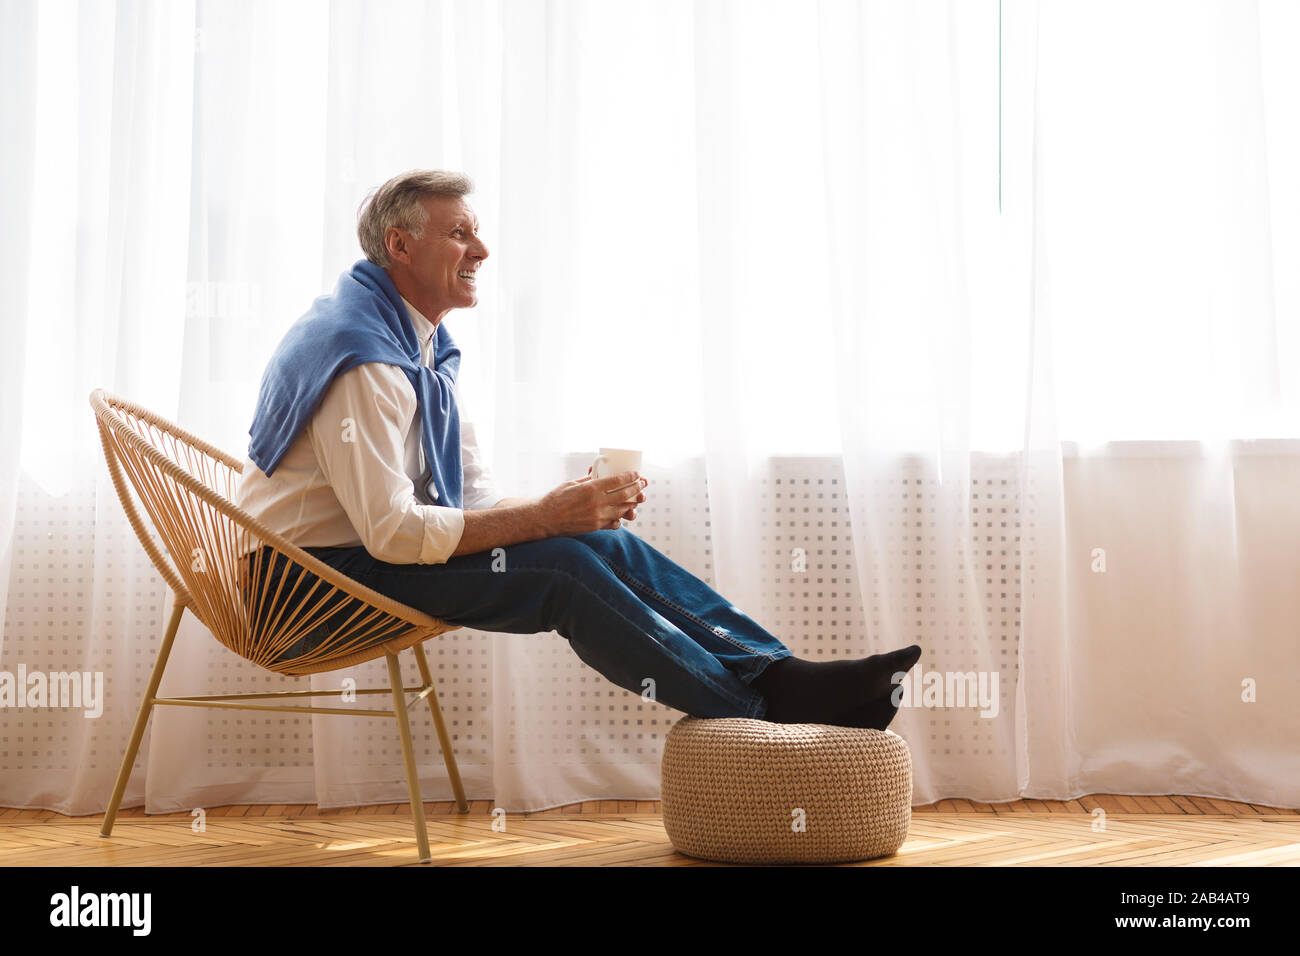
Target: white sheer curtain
1010 284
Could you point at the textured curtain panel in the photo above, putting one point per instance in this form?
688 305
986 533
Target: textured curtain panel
974 325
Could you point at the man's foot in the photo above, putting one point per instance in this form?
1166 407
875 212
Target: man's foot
819 692
876 714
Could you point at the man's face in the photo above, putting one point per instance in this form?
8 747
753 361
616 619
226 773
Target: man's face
449 246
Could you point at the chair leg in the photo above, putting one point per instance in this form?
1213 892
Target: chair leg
141 719
444 740
408 757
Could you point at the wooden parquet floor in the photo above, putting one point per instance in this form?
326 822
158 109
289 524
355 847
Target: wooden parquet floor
1138 831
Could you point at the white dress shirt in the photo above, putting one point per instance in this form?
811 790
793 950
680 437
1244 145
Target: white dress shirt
352 483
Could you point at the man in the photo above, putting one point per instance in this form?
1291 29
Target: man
361 454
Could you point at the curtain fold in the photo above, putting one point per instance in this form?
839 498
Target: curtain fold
965 325
18 116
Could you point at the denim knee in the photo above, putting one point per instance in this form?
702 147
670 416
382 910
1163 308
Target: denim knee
571 566
560 554
618 543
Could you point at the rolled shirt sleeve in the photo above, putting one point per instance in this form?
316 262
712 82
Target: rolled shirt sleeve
359 435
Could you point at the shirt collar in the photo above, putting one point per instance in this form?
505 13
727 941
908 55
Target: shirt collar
424 329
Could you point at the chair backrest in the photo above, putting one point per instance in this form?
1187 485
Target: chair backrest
244 581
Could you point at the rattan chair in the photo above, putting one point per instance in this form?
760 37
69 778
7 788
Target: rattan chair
247 585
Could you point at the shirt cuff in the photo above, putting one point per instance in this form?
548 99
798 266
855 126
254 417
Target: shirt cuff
443 529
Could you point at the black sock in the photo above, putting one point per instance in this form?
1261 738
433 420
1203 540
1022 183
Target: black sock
876 714
816 692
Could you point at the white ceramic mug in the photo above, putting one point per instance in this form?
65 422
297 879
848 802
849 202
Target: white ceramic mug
612 461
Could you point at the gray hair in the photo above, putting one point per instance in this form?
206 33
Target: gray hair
398 203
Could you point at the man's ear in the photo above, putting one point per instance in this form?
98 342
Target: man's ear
395 242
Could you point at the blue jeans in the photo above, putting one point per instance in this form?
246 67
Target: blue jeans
627 610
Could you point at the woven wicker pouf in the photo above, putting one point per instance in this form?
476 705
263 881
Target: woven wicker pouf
739 790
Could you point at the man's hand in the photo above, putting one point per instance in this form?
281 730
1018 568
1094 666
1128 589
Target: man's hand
592 504
631 512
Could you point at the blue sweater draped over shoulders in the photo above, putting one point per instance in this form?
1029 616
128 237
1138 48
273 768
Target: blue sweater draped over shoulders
363 320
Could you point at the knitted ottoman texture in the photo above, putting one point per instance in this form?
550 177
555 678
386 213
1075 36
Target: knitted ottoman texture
739 790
